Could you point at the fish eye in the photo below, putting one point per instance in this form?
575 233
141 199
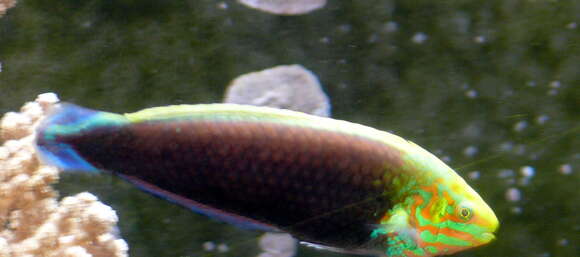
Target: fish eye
465 213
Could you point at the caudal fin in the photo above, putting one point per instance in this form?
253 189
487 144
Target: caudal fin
68 120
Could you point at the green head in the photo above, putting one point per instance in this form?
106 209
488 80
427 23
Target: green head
436 212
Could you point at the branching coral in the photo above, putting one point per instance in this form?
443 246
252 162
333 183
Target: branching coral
5 5
33 222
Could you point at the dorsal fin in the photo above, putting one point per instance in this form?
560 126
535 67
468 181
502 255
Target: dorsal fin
248 113
204 110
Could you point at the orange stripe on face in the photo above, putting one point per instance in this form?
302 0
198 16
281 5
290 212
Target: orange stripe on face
448 197
445 231
425 212
454 218
458 234
432 229
418 201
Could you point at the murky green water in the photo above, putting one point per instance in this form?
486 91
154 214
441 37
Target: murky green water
492 87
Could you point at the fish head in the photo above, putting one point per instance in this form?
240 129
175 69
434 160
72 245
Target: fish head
435 212
447 217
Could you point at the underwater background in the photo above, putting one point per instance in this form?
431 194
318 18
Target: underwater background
491 87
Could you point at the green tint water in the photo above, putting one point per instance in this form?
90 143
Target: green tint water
490 86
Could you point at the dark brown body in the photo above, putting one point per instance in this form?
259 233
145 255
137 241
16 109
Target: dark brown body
323 187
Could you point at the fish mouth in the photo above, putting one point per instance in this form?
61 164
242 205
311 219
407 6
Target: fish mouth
487 237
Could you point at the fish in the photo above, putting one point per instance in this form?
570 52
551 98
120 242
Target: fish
330 183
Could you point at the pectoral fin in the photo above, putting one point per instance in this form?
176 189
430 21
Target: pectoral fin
396 232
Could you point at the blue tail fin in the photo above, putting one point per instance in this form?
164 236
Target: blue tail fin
70 120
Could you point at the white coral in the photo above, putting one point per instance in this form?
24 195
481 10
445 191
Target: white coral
33 222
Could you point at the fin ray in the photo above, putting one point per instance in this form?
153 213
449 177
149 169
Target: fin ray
64 120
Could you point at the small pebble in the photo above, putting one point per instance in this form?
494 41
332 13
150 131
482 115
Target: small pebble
542 119
520 149
446 159
479 39
513 194
222 248
566 169
345 28
563 242
86 24
516 210
419 38
505 173
208 246
373 38
278 245
473 175
520 126
222 5
524 181
471 93
391 26
527 171
506 146
470 151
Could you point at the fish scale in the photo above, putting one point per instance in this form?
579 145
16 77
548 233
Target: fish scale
207 160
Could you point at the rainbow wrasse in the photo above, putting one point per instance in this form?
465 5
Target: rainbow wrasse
332 183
